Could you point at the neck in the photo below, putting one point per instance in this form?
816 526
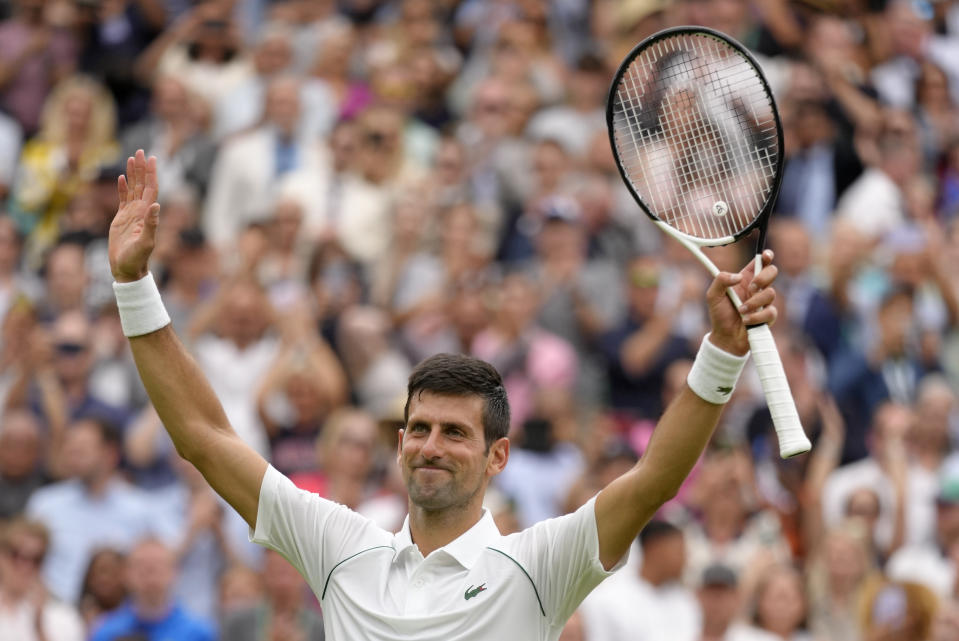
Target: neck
648 574
431 530
152 609
97 485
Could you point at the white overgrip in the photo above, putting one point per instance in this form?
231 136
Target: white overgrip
792 438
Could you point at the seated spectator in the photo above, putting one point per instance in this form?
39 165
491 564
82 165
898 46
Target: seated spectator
104 589
283 613
27 611
241 588
152 610
651 604
22 460
720 605
91 508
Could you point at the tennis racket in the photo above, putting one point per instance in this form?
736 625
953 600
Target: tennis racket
698 142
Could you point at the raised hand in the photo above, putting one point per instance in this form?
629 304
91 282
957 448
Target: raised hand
729 324
133 231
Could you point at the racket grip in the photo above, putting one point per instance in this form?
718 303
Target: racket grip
792 438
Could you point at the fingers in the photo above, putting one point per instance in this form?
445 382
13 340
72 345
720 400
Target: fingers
131 179
140 167
723 280
758 308
150 190
140 182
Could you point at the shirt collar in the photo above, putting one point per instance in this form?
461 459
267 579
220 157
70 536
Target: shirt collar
466 548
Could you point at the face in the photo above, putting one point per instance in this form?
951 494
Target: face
105 580
781 604
151 570
20 561
443 454
720 606
864 504
281 579
76 111
85 454
353 446
19 445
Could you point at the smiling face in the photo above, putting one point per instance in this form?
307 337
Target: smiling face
443 454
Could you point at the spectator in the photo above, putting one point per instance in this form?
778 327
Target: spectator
933 563
875 199
27 612
779 605
22 461
244 180
172 133
641 347
151 610
284 612
838 571
77 137
34 57
92 507
103 589
234 346
720 604
653 605
898 610
903 495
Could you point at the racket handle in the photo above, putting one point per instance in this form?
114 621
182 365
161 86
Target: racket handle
792 439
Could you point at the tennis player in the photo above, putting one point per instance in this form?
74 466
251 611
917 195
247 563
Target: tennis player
448 573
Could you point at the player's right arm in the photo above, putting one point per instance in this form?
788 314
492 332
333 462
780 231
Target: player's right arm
179 391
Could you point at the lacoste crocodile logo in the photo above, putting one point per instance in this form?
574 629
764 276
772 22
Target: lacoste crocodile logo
471 591
724 390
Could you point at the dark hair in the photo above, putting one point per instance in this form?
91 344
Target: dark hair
656 530
459 375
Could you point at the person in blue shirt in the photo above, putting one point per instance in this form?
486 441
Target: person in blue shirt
152 613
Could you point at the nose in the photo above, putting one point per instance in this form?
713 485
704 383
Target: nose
431 448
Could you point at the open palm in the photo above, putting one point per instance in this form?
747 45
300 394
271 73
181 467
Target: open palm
133 231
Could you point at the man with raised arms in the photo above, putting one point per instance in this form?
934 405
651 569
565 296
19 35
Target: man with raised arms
448 573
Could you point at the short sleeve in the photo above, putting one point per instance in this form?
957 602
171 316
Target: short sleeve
312 533
562 558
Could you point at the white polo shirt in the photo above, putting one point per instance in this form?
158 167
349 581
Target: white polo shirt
376 585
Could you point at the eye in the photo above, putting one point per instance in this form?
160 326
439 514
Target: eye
418 428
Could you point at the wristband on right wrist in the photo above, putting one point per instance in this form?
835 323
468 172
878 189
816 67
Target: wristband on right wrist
140 306
714 373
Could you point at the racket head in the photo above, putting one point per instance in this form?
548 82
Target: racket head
696 134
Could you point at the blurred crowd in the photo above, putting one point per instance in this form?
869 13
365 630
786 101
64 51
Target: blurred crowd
348 187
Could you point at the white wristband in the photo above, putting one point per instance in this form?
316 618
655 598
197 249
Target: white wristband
140 306
714 373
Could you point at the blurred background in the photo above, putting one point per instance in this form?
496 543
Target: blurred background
348 187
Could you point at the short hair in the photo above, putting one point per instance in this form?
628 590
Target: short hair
657 530
109 433
459 375
22 526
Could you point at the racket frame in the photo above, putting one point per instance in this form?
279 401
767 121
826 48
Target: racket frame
792 439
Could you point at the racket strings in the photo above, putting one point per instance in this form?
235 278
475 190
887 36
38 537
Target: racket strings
696 134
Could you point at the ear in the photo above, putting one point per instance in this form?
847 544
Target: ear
498 456
399 446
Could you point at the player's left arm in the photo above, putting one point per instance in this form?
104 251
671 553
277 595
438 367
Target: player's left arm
624 506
